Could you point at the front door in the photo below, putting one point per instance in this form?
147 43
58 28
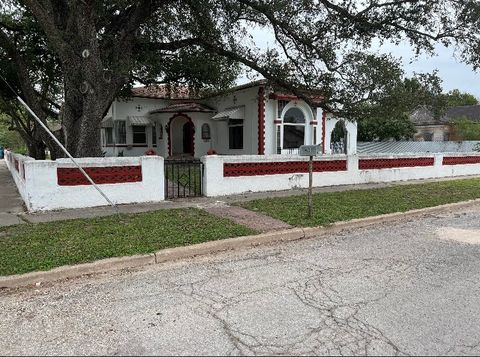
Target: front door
188 132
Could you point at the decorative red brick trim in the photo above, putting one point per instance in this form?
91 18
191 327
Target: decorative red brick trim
261 120
373 164
169 136
314 122
460 160
16 165
99 175
324 125
277 121
277 168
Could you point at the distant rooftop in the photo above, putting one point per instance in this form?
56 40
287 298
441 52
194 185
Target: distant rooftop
424 116
412 147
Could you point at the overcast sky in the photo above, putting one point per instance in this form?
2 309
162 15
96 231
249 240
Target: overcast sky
455 75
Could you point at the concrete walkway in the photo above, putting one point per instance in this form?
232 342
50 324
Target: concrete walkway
11 204
255 220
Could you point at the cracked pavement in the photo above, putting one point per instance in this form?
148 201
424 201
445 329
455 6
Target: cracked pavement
390 289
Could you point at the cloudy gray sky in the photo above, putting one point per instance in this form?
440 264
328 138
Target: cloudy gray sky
455 75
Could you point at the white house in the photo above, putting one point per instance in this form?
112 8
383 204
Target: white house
244 120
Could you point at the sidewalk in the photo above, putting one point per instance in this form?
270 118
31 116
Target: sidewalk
11 204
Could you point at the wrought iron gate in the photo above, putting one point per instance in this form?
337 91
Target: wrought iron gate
183 178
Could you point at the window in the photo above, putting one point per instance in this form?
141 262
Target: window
120 131
235 134
154 134
160 132
427 136
108 136
293 129
139 133
206 132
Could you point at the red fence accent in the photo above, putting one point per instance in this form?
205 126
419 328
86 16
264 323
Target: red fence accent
460 160
261 121
276 168
372 164
99 175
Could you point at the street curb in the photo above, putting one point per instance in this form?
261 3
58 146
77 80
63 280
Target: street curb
72 271
178 253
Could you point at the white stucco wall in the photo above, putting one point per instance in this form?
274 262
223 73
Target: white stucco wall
121 109
18 175
246 97
41 192
215 184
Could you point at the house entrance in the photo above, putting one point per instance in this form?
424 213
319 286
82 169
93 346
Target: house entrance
181 136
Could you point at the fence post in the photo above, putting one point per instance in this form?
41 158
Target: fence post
212 175
153 176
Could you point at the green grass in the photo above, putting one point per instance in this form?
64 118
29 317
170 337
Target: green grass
26 248
332 207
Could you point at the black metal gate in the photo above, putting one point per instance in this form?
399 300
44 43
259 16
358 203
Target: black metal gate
183 178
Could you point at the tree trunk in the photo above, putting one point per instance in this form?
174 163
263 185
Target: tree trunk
81 118
36 150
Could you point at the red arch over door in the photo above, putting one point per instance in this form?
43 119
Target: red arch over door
169 132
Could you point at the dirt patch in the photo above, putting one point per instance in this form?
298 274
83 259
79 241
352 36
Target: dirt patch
469 236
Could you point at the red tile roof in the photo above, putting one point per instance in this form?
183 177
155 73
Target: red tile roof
188 107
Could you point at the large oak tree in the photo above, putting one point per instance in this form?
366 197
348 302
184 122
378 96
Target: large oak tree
102 47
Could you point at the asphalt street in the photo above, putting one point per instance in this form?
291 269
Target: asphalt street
410 287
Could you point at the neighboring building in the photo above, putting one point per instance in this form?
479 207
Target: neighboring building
430 128
248 119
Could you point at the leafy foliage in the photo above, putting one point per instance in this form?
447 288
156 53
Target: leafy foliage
456 98
389 117
10 138
465 129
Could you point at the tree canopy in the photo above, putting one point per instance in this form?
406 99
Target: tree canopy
389 118
455 98
72 58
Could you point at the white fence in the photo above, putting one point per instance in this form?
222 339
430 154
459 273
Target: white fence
50 185
227 175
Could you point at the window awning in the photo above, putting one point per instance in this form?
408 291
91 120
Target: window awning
107 122
139 121
232 113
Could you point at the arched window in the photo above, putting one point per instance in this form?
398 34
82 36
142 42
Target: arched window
206 132
338 141
293 129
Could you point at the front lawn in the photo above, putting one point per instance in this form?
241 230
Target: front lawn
43 246
332 207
